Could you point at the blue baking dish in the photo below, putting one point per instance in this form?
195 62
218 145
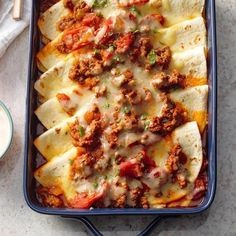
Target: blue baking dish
30 134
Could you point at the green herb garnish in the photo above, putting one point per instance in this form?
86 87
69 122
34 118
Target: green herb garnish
107 105
95 185
155 30
97 52
100 3
144 116
71 162
152 57
111 48
134 30
135 11
126 109
146 124
81 131
116 58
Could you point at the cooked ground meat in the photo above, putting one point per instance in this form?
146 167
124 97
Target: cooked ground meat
86 69
141 49
112 136
48 199
176 158
93 114
135 196
161 57
82 165
81 7
144 45
165 82
172 116
175 163
133 97
66 23
89 140
120 202
144 202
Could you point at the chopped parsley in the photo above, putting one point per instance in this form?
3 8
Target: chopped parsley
152 57
95 185
100 3
155 30
81 131
107 105
134 30
126 109
116 58
144 116
146 124
71 162
111 48
97 52
135 11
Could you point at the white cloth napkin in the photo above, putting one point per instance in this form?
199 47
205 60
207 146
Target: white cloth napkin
9 28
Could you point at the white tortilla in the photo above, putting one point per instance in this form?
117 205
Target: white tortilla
183 36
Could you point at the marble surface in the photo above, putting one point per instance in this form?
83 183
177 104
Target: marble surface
17 219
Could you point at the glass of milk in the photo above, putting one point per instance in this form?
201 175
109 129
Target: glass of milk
6 129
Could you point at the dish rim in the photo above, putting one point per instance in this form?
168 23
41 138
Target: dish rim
212 137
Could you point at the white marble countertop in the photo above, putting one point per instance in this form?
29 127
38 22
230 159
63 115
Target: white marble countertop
16 218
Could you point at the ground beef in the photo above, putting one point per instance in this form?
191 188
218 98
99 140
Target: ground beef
175 163
66 23
172 116
176 159
93 114
133 97
84 71
89 140
48 199
120 202
145 46
165 82
163 58
112 136
141 49
82 165
144 202
135 196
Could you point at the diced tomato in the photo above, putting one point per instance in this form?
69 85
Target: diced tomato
78 37
147 161
130 169
85 201
159 18
92 20
63 97
104 33
130 3
124 42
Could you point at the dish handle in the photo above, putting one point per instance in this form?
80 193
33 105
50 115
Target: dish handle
95 232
